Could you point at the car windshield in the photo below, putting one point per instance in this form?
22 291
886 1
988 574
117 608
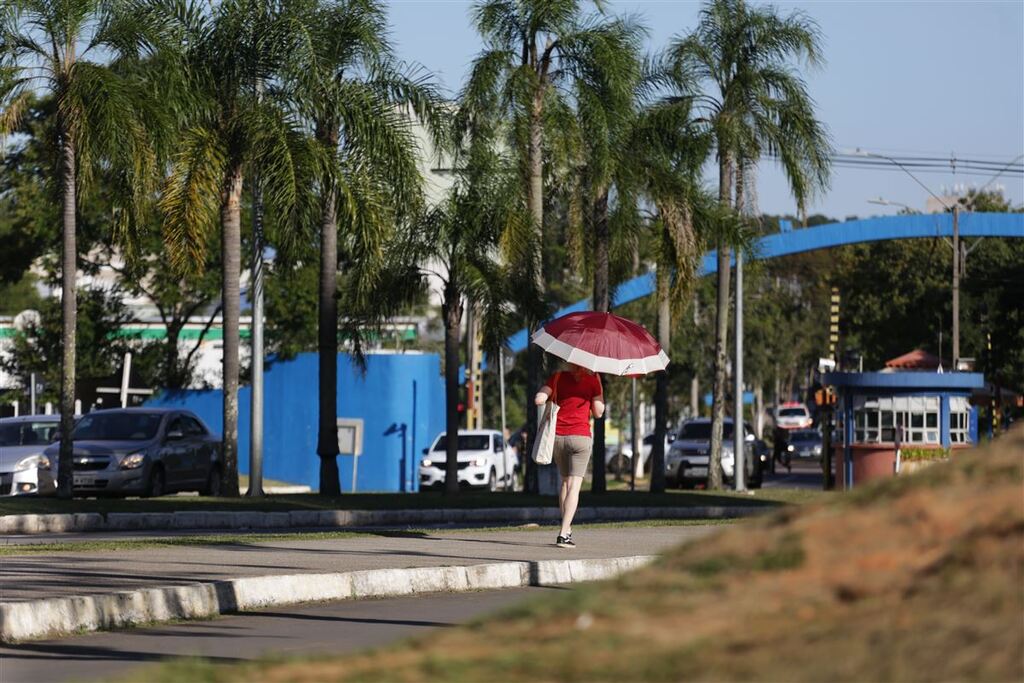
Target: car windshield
467 442
701 431
805 435
792 412
27 433
117 427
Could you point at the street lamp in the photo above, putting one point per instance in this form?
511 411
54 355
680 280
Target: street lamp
885 202
957 257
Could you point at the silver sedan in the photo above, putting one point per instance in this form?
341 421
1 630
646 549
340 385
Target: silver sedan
143 451
24 469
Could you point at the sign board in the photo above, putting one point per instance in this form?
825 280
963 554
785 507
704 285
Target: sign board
350 436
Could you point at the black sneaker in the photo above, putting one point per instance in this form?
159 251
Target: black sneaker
565 542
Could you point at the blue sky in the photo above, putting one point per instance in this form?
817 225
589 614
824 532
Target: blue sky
939 78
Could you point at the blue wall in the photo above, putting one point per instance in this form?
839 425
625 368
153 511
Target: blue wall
398 390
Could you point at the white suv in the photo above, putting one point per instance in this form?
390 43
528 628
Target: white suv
484 461
793 416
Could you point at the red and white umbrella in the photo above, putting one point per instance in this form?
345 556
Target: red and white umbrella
602 342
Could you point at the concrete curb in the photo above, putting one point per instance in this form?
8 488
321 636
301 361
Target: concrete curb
37 619
332 519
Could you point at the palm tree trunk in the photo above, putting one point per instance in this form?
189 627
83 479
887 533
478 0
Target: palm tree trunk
69 319
535 205
602 302
661 380
715 479
327 436
452 320
231 250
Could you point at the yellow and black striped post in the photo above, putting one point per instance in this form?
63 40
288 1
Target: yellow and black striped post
475 383
833 324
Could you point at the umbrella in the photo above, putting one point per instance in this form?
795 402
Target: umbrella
602 342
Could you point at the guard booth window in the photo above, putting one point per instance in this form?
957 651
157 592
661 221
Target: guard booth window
877 418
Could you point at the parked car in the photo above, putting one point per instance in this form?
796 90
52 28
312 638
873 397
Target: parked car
143 451
793 415
805 444
689 455
484 461
647 445
24 469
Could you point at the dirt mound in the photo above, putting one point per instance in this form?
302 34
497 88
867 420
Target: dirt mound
918 578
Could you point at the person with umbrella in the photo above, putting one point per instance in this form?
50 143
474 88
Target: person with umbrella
579 395
590 342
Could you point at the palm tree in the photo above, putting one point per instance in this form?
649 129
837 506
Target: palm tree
229 130
93 57
361 105
535 50
460 240
757 104
668 148
607 98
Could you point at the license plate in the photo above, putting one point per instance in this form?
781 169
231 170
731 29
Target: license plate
84 479
697 472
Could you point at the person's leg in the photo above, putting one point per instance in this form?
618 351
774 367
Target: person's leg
563 490
571 486
560 457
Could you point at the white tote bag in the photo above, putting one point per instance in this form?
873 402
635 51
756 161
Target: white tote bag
544 443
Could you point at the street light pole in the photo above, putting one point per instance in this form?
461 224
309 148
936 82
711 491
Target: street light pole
737 413
956 287
957 259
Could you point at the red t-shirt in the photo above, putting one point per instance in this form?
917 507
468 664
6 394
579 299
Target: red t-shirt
574 398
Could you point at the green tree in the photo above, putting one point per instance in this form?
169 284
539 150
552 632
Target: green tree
229 130
361 106
756 104
607 97
459 239
90 56
534 51
100 349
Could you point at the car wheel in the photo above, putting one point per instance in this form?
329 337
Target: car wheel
214 483
157 485
492 482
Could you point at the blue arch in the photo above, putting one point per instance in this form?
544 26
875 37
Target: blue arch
825 237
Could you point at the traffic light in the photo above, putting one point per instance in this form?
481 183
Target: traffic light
460 405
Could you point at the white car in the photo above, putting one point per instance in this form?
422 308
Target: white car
484 461
24 469
793 416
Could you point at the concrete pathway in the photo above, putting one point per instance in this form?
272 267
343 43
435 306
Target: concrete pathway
331 628
38 576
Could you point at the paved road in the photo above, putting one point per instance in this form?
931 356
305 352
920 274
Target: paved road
329 628
33 576
805 475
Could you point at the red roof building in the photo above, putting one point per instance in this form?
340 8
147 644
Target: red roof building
915 360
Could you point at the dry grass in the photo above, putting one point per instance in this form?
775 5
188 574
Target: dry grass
919 579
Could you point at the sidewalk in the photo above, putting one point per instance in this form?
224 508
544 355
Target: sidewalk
27 577
65 592
339 519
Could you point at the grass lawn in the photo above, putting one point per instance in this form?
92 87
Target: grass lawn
399 501
915 579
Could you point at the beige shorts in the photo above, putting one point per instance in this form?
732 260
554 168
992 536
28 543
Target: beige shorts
572 455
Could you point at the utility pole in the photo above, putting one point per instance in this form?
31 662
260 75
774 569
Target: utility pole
256 296
737 413
956 287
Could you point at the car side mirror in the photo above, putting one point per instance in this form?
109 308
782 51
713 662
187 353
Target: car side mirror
425 451
175 435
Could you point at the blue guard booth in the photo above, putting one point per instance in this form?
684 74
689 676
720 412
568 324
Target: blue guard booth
399 399
933 409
